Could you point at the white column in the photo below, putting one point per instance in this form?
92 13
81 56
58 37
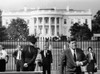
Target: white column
60 25
55 26
31 26
43 30
49 26
37 24
89 23
3 22
68 26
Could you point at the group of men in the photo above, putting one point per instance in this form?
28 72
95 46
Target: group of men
72 58
25 58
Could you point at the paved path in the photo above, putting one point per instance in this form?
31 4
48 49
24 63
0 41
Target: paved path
14 72
98 72
55 72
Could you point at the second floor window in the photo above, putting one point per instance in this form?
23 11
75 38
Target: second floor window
46 20
57 20
40 20
72 21
52 20
65 21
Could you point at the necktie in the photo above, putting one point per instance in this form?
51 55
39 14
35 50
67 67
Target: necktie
74 56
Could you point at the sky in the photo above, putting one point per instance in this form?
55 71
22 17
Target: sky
94 5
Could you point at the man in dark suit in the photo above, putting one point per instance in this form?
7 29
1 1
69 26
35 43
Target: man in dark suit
72 59
46 59
29 55
18 58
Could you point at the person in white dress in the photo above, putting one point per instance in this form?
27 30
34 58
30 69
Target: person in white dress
38 61
3 59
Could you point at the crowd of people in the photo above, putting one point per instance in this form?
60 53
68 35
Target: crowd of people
28 58
32 58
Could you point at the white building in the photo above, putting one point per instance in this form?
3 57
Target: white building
49 22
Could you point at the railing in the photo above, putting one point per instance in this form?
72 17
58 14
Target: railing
57 49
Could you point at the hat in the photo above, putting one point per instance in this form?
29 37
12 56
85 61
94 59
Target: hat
71 39
32 39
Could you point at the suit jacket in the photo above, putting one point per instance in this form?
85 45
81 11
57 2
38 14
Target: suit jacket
48 59
29 54
67 60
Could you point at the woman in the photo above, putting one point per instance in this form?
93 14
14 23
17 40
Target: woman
38 61
91 61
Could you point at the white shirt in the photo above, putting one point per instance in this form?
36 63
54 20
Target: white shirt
72 51
3 54
45 51
19 55
91 56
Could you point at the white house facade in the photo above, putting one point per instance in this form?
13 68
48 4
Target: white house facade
49 22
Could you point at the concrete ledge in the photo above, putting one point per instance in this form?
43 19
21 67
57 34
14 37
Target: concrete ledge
22 72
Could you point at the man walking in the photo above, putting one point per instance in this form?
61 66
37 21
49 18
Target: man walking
46 59
18 58
72 59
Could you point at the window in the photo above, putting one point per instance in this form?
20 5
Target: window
58 30
40 20
57 20
35 20
86 21
52 20
65 22
35 32
6 21
40 28
46 29
79 21
72 21
46 20
27 22
52 30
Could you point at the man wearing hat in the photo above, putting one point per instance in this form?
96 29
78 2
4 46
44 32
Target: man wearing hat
29 54
3 59
72 59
